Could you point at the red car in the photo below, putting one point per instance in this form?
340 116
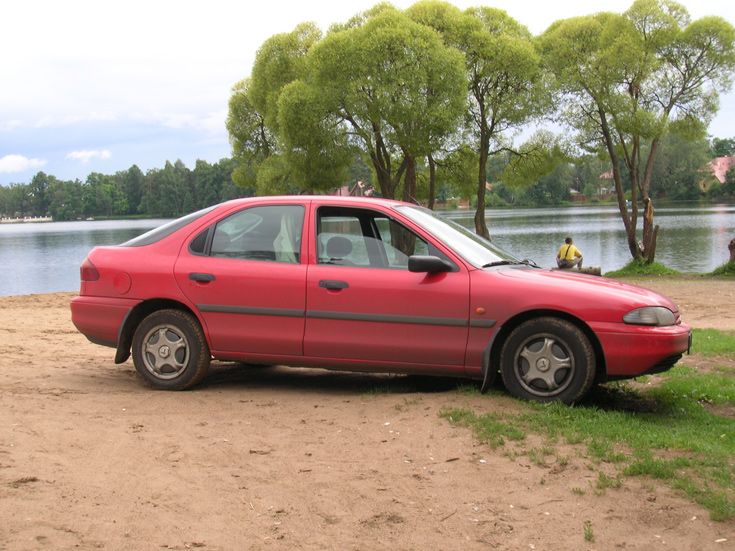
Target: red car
363 285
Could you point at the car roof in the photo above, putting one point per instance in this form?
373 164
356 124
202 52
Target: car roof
332 199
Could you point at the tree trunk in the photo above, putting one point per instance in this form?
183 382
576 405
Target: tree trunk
432 181
628 221
409 181
480 224
650 233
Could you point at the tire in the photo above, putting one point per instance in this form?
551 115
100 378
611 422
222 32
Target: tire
170 351
548 359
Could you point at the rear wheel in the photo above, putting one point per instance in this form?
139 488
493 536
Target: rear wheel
170 351
548 359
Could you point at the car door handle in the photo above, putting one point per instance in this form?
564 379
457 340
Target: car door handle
333 284
202 278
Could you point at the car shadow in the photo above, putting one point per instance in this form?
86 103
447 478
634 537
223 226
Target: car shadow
614 398
237 375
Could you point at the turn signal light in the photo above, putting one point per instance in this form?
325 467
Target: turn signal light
88 271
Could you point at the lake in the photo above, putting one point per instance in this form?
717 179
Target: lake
44 258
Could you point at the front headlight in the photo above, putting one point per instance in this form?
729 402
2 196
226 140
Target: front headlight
650 315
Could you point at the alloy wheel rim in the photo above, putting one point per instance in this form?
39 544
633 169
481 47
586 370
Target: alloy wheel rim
544 365
165 352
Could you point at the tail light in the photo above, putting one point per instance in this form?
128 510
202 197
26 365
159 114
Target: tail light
88 271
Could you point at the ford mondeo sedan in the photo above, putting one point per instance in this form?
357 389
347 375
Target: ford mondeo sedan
363 285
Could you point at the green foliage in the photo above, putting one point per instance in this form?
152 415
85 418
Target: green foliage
722 147
397 89
726 191
503 79
279 61
171 191
727 269
537 158
317 156
677 169
625 81
638 267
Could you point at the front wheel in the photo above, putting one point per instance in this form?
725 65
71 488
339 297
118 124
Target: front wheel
170 351
548 359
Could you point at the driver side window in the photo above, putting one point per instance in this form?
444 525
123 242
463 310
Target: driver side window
269 233
366 238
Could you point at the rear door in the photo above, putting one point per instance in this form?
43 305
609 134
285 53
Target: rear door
247 277
364 305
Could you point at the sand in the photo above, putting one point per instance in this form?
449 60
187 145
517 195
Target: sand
281 458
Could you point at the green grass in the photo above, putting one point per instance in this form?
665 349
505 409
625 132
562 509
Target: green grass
589 534
640 268
711 342
727 269
489 427
670 431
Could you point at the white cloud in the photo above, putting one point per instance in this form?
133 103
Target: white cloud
69 120
86 155
7 126
212 123
19 163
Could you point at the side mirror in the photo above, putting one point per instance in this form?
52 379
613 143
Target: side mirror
428 264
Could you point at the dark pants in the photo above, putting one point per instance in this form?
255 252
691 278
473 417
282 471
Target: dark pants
566 264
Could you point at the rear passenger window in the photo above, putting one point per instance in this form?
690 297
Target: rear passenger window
271 233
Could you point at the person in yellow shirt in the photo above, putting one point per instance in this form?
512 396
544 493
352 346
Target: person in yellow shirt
569 256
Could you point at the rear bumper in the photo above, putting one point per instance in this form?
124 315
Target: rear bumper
100 318
633 350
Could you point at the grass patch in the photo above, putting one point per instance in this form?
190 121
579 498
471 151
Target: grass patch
589 534
488 427
727 269
640 268
668 432
711 342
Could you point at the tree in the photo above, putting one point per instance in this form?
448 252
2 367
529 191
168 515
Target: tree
130 181
677 170
503 78
253 119
38 191
722 147
626 81
252 141
382 84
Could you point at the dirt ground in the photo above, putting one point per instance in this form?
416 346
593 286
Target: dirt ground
282 458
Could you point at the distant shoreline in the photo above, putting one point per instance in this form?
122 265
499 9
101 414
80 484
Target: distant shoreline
27 220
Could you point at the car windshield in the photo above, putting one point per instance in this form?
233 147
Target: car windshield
476 250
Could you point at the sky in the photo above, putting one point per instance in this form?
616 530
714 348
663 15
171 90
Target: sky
97 86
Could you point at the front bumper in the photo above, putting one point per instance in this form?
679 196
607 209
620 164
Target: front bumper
634 350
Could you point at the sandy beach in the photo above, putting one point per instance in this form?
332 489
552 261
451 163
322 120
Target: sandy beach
281 458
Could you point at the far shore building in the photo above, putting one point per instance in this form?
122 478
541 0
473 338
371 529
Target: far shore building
720 166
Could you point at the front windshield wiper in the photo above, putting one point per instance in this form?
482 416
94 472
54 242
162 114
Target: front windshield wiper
525 262
500 263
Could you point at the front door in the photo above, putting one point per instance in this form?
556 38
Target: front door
362 302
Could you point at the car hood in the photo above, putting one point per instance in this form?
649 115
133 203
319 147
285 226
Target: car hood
598 295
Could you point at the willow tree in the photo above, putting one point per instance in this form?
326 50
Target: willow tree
625 81
384 84
253 117
503 78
